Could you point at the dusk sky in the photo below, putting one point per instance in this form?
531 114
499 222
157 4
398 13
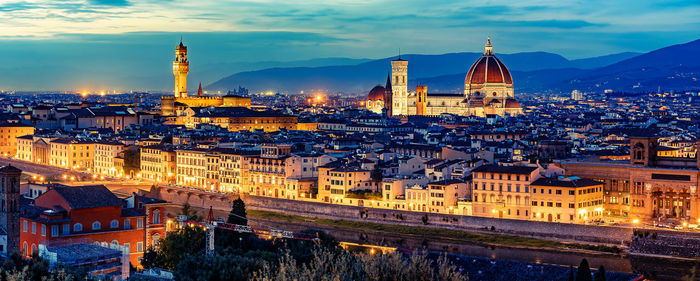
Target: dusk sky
128 44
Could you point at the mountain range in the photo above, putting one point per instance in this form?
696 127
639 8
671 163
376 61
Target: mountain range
673 67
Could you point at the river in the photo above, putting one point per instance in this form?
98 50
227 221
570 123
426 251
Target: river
654 268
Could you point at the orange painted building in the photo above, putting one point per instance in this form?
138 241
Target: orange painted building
92 214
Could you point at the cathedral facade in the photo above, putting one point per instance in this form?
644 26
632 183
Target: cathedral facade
488 89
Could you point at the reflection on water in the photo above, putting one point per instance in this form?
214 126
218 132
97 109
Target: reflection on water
654 268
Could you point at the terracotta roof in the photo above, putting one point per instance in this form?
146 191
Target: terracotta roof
488 69
87 196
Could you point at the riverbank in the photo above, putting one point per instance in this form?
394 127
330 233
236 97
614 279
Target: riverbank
480 238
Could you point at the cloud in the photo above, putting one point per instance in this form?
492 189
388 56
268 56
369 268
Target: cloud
110 2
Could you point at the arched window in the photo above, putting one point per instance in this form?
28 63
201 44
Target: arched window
156 217
33 249
77 227
114 224
96 225
25 248
155 238
114 244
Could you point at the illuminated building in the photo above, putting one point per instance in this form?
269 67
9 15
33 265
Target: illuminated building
336 179
105 153
158 163
647 187
238 119
566 199
488 89
70 214
266 171
71 153
503 191
191 167
9 132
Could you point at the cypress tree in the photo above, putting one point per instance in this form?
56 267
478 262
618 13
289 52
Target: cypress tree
584 271
238 213
571 273
600 275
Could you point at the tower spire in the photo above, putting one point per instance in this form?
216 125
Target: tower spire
488 50
200 92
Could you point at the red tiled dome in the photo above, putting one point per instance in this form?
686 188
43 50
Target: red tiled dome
377 93
488 69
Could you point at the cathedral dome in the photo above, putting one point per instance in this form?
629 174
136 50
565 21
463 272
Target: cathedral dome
377 93
488 69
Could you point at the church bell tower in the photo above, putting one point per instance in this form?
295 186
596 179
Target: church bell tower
399 86
180 69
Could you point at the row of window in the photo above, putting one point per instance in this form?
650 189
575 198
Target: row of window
78 227
503 176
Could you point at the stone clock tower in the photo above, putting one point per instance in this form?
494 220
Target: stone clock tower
180 69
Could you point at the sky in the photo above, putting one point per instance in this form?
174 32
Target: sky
128 44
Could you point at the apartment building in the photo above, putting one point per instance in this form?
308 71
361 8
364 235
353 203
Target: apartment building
567 200
72 153
105 153
158 163
443 195
9 132
503 191
192 167
266 172
336 179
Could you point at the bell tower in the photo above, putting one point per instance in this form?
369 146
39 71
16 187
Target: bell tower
181 66
399 86
421 97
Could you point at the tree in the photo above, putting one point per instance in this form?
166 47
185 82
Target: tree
188 240
190 213
600 275
584 271
571 274
238 214
343 265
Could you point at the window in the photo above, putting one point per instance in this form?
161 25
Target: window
43 230
54 230
33 228
24 226
96 225
77 227
66 229
114 244
139 246
114 224
139 223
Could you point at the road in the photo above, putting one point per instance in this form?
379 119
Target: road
55 174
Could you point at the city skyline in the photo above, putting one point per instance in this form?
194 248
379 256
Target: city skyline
69 44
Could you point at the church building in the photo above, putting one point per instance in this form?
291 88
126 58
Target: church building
488 89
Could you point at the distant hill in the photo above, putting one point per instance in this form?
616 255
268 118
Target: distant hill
596 62
362 77
673 67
